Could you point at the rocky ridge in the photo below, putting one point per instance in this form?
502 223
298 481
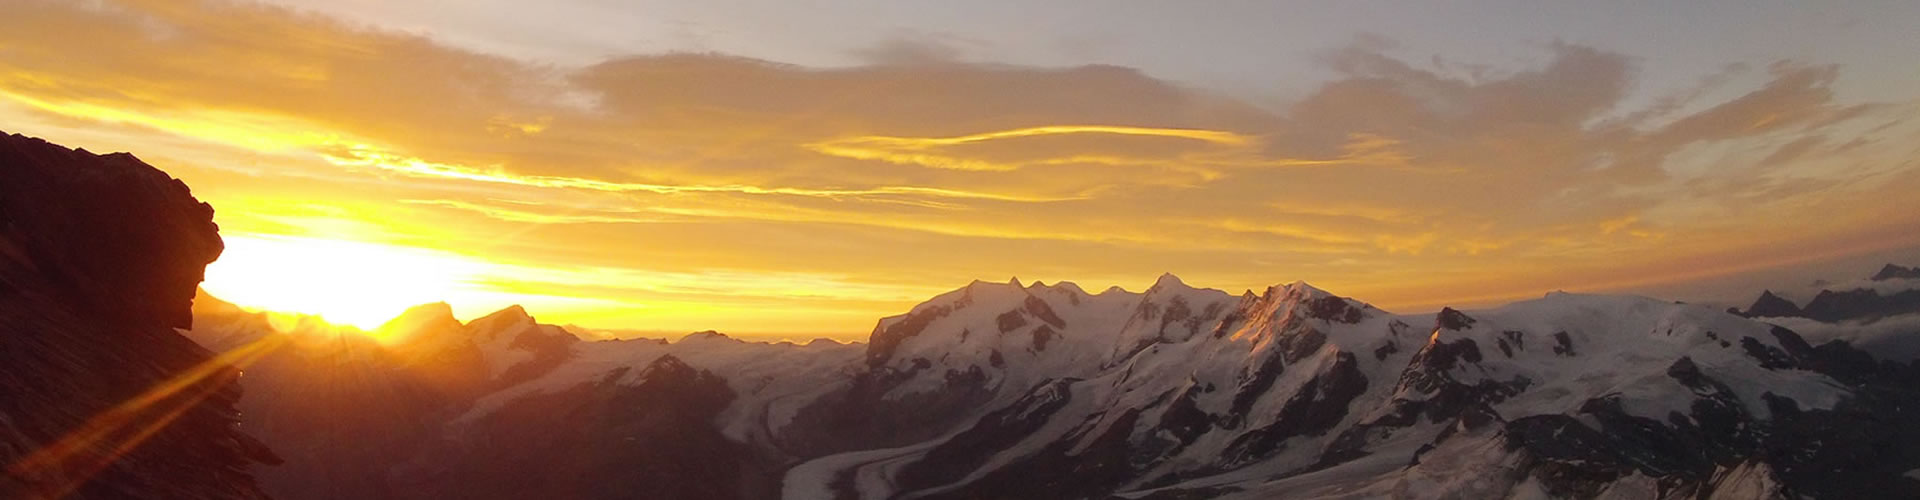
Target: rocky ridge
100 397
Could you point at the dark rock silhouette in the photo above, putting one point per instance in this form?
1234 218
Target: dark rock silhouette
346 409
99 396
1861 305
1892 272
1771 306
1831 306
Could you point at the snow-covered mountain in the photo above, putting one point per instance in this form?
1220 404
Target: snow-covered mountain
1011 390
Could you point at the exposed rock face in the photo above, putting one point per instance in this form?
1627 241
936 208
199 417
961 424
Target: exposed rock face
99 259
1861 305
1771 306
1892 272
1858 304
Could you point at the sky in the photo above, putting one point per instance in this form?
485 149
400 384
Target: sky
797 169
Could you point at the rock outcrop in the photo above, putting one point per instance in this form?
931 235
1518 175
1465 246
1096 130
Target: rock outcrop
1772 306
100 397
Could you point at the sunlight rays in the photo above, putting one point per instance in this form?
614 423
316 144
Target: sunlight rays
67 463
356 283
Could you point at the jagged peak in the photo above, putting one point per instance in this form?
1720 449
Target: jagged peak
1307 288
1891 271
1310 301
1067 287
1770 304
420 319
1300 290
505 316
824 342
1170 287
708 336
1452 319
987 287
428 310
959 298
1167 281
1833 294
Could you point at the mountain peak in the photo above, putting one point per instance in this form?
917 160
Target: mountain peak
707 335
1452 319
435 317
430 310
1013 284
1296 290
513 313
501 320
1891 272
1772 306
1168 280
1058 285
1304 286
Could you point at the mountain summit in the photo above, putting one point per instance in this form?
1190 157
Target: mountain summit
1892 272
1772 306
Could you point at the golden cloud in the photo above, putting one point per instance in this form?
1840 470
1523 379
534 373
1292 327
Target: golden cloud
906 176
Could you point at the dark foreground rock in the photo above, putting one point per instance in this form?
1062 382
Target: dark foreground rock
99 396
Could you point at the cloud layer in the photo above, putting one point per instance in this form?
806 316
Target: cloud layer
1408 184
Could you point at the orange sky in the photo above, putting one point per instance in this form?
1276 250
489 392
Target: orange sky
356 170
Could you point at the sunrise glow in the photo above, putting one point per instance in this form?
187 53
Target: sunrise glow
374 158
978 249
347 282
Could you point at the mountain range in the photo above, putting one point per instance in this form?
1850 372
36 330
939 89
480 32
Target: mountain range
1011 390
122 381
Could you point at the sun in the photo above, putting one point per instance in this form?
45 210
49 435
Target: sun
345 282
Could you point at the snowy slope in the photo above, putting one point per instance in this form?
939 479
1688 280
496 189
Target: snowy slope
1197 390
1011 390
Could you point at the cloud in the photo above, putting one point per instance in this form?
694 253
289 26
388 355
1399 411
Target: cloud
1400 182
913 49
928 151
1803 294
1895 338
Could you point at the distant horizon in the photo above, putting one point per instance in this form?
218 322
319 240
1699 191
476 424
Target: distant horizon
1793 292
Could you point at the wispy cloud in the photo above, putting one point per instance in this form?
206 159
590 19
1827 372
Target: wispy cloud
1392 180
